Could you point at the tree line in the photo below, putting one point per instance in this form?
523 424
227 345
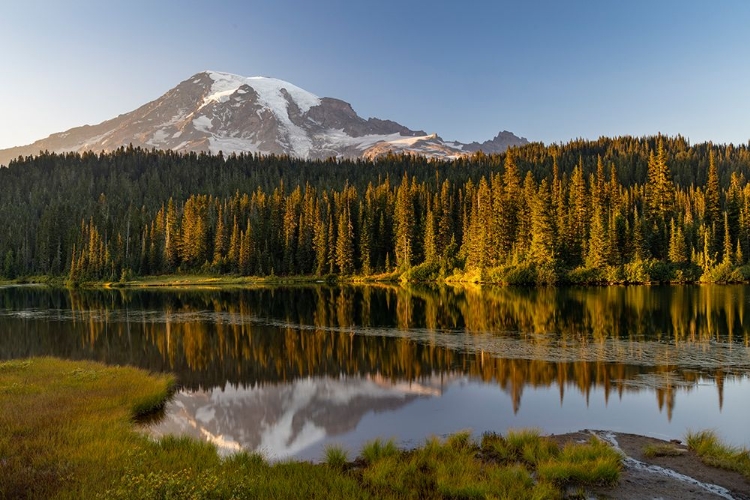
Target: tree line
615 210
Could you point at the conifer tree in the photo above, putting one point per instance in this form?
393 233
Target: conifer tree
596 256
508 207
344 242
713 207
220 239
727 257
320 242
542 249
677 247
405 222
172 236
233 253
430 238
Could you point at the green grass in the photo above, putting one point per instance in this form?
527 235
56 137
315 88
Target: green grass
373 451
593 463
336 457
708 446
523 464
662 450
67 431
64 424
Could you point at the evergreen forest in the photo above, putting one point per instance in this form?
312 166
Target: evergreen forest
613 210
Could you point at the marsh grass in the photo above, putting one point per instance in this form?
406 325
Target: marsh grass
64 424
593 463
707 445
336 457
374 450
67 431
522 464
662 450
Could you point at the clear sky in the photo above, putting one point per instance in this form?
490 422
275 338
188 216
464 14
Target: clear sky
547 70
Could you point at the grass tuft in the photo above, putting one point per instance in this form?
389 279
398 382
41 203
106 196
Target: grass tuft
662 450
712 451
336 457
593 463
375 450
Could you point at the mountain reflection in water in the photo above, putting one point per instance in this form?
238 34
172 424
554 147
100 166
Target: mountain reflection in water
256 355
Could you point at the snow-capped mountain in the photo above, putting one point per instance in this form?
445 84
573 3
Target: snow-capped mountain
214 112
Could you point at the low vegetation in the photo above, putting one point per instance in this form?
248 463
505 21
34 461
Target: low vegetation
522 464
708 446
67 431
67 427
662 450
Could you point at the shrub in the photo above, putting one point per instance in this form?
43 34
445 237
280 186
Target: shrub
427 271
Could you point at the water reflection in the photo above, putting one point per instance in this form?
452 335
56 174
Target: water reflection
262 351
284 419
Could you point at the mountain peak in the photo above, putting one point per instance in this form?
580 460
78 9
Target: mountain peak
218 111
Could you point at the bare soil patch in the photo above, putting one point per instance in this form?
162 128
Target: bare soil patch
638 482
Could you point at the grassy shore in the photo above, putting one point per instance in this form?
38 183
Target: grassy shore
201 281
646 273
67 430
713 452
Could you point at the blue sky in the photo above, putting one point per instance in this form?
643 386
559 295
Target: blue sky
546 70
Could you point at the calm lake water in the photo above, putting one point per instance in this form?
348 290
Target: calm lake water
289 370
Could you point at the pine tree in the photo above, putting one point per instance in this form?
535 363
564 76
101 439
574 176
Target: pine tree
445 217
728 257
677 247
430 238
246 250
596 256
220 239
542 250
660 190
405 222
344 242
578 216
320 243
713 207
233 253
172 236
507 208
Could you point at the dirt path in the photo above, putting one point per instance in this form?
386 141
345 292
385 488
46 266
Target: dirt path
682 477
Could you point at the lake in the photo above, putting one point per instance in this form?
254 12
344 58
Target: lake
290 370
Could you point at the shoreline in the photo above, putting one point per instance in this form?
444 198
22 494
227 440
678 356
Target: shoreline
230 281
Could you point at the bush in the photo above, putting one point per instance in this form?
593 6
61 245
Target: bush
427 271
584 276
546 274
722 273
636 272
